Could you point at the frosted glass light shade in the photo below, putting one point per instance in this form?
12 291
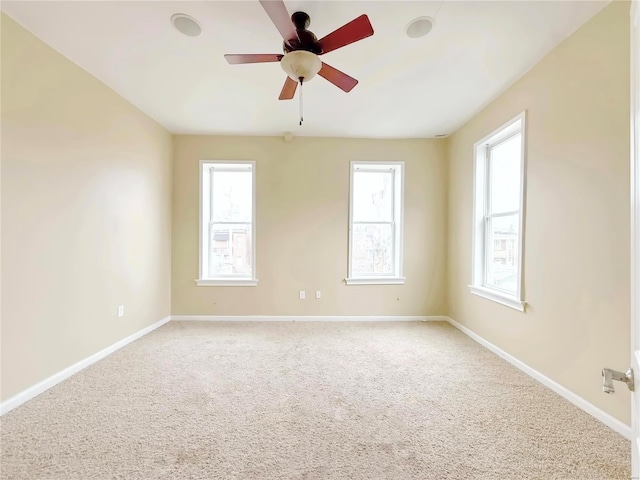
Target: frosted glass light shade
301 64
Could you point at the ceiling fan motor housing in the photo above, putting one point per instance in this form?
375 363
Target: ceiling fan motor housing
301 64
306 39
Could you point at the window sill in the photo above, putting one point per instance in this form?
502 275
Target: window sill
227 282
375 281
498 297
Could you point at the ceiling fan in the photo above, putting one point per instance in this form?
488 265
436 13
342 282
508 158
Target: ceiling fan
301 49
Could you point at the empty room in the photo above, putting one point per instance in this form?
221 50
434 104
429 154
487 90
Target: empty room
270 239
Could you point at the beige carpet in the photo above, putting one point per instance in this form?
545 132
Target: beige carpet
306 401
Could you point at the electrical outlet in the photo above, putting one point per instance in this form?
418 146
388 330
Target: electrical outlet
121 311
302 295
318 294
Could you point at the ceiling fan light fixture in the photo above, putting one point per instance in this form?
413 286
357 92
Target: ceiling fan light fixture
186 25
301 64
419 27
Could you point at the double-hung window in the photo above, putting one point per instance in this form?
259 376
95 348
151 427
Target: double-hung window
375 223
227 223
498 214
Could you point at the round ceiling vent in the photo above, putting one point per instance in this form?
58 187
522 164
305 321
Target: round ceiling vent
186 24
419 27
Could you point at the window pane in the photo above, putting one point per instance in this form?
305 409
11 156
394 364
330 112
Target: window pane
372 249
502 253
505 175
230 250
372 196
232 196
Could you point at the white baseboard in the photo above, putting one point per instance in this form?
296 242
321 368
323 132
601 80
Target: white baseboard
604 417
53 380
307 318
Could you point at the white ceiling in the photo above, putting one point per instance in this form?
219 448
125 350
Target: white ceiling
408 87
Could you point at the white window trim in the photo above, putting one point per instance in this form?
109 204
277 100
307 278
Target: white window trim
477 286
397 277
499 297
225 281
375 281
240 282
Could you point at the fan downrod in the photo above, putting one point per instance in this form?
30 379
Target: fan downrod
306 39
301 20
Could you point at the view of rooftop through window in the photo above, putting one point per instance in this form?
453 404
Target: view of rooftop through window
373 227
230 226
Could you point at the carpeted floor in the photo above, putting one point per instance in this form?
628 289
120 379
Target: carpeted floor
306 401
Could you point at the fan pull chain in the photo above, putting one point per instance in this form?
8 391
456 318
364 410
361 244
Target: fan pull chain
301 118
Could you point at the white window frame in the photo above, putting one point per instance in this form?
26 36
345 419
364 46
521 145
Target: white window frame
205 214
396 277
480 214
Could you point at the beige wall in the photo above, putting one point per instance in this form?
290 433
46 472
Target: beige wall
86 213
576 264
302 227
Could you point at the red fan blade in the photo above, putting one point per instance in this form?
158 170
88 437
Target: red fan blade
288 89
280 17
338 78
235 59
351 32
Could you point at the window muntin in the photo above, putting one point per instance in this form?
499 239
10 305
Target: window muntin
227 250
375 231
